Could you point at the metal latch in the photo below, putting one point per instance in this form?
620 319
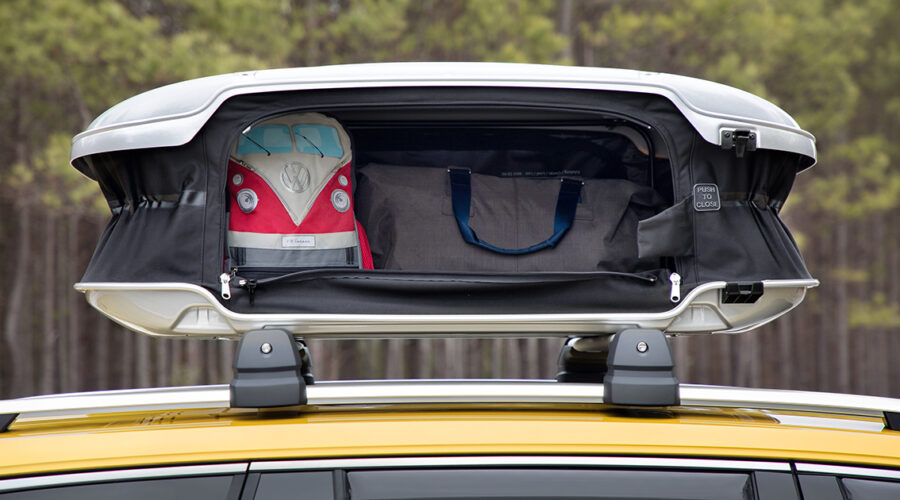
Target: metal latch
739 141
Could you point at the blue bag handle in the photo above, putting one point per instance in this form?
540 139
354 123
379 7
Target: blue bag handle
461 197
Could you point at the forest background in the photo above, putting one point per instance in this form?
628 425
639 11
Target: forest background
834 65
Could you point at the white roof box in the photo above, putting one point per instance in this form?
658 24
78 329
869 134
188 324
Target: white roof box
344 201
172 115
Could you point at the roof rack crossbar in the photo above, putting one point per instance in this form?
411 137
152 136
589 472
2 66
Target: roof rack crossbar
333 394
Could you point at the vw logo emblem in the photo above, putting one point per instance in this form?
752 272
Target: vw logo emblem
295 177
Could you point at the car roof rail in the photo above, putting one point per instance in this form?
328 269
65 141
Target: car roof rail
272 370
380 393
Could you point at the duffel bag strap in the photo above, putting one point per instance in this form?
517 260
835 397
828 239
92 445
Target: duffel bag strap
461 197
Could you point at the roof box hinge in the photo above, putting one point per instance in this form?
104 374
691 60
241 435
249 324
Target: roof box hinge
742 293
739 140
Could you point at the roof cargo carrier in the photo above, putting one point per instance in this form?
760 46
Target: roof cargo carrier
448 198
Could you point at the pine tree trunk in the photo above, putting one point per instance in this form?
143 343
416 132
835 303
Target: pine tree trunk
454 359
194 361
63 305
532 361
73 353
312 26
825 342
880 349
212 375
226 358
786 359
841 355
395 360
18 341
566 16
104 354
512 364
48 344
126 366
893 297
496 358
424 359
142 358
163 365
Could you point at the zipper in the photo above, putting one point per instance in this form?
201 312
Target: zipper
247 283
336 273
675 295
225 282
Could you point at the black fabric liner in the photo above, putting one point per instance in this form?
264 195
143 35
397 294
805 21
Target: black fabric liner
745 238
160 217
158 233
388 292
510 152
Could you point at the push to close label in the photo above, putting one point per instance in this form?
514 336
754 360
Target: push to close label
706 197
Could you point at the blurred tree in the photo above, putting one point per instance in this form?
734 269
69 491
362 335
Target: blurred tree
439 30
64 62
834 65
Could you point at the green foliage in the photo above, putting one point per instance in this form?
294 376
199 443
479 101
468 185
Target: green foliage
856 179
713 39
260 29
94 53
850 275
833 64
67 60
498 30
50 181
64 189
364 31
442 30
836 63
876 313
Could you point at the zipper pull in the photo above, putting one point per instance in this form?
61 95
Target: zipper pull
250 285
675 278
225 280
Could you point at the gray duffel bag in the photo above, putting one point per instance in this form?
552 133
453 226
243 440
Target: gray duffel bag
408 215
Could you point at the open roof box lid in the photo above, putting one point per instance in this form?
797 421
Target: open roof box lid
454 198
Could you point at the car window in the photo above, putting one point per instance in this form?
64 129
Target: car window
871 489
181 488
820 487
499 484
778 485
317 485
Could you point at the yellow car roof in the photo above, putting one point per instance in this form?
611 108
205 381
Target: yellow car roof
363 420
